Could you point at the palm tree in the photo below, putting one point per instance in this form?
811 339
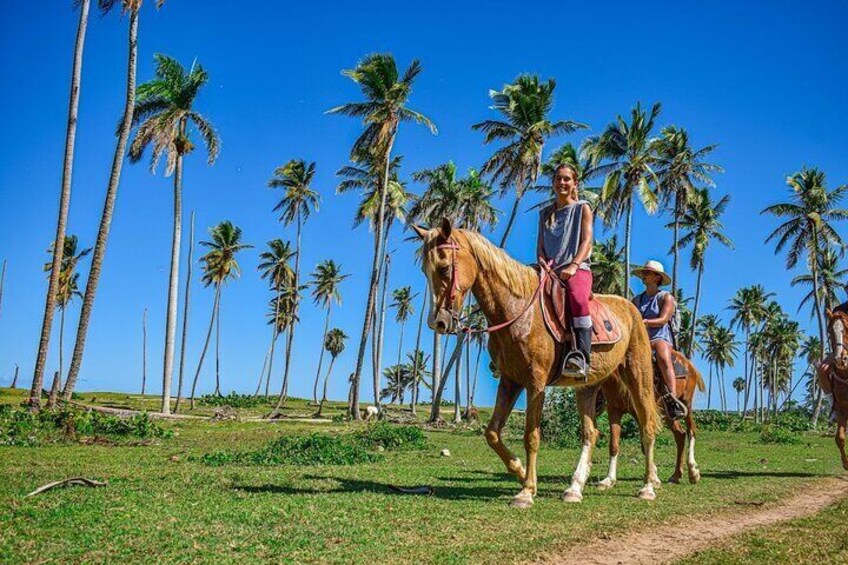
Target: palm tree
219 266
276 268
626 154
286 307
608 266
702 224
184 333
326 281
404 309
831 280
705 331
748 307
680 167
384 108
721 351
163 115
739 386
131 7
525 107
334 343
296 205
64 206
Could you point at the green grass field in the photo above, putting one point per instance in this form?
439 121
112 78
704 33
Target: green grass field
163 505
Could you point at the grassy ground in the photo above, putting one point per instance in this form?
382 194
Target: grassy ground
160 502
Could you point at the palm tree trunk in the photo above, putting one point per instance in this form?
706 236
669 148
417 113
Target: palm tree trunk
143 352
438 392
64 206
400 350
710 388
677 214
205 344
353 408
435 409
381 324
262 373
173 287
512 215
476 372
321 356
695 310
290 334
185 315
2 280
14 384
61 345
54 390
823 341
628 229
326 379
415 353
457 389
218 344
99 252
744 412
275 333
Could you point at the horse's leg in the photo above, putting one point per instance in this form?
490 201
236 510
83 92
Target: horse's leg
507 395
694 472
680 442
586 409
532 437
638 376
841 418
615 437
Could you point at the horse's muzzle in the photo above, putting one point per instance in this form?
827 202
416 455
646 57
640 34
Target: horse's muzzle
442 322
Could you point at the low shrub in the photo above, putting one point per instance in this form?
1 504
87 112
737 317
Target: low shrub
392 436
779 435
233 400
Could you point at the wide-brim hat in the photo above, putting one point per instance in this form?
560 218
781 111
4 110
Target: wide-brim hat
653 267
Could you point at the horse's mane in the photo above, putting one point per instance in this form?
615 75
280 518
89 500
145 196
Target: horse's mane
519 279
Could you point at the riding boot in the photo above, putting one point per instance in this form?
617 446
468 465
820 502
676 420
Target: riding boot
576 362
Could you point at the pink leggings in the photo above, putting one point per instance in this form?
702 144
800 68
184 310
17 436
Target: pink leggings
577 291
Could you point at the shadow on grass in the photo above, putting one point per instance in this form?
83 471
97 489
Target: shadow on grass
742 474
446 492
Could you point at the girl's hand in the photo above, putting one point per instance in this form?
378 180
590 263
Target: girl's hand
568 272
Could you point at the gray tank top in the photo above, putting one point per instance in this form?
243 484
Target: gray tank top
650 307
561 234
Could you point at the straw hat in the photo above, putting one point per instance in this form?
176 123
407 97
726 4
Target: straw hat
653 267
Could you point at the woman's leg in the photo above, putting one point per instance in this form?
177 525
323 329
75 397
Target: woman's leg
663 350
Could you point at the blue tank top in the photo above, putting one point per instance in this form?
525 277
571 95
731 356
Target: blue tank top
650 308
560 232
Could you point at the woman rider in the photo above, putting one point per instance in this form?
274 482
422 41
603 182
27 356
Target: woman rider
657 307
838 356
565 240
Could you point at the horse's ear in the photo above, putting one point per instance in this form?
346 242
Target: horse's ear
446 228
422 232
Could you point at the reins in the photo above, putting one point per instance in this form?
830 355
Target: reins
450 298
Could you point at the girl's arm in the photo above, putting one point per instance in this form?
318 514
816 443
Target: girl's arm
665 313
540 249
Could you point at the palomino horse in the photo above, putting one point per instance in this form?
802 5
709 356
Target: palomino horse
456 261
617 398
833 375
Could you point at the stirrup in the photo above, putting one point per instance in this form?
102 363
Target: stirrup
668 398
567 370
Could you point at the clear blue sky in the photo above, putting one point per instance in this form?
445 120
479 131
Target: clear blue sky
766 81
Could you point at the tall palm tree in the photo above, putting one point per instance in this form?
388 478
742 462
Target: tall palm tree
296 205
326 282
68 289
739 386
219 266
334 343
721 352
64 206
705 331
132 8
608 266
186 303
386 93
275 266
702 224
287 317
163 116
625 154
525 107
810 217
680 167
402 304
831 280
749 308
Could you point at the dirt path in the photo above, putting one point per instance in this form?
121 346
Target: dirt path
668 543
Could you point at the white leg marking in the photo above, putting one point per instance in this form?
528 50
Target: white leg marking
610 480
574 493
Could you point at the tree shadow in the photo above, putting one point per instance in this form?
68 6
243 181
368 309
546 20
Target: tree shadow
741 474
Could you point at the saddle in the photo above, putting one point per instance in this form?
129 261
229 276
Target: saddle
605 327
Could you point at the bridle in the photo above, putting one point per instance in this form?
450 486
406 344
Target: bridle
449 299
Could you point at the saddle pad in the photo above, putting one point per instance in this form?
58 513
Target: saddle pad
605 327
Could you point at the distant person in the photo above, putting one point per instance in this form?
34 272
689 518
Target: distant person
838 359
565 240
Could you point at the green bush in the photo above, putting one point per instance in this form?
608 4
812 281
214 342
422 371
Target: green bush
314 449
392 436
233 400
779 435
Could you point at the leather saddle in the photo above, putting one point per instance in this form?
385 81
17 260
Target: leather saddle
605 327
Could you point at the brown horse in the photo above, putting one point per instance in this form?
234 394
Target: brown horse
457 261
618 403
833 375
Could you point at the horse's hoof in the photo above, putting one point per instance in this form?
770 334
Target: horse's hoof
647 493
656 482
695 476
675 480
606 484
521 501
572 496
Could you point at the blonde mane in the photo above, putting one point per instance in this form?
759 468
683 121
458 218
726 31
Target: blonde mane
520 280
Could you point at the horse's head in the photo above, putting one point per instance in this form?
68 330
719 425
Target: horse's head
838 331
451 270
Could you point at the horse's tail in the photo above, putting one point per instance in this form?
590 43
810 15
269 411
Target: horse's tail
700 382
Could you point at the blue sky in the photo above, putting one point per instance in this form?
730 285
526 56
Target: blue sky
764 80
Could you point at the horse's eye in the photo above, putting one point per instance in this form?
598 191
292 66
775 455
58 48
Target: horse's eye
444 271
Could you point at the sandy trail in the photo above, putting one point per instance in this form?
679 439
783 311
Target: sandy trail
667 543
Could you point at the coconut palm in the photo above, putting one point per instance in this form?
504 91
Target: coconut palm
625 154
296 205
525 107
608 266
184 333
403 310
679 168
286 306
705 331
275 266
326 281
132 8
386 93
739 386
163 117
702 225
334 343
219 265
721 352
64 206
748 307
831 280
